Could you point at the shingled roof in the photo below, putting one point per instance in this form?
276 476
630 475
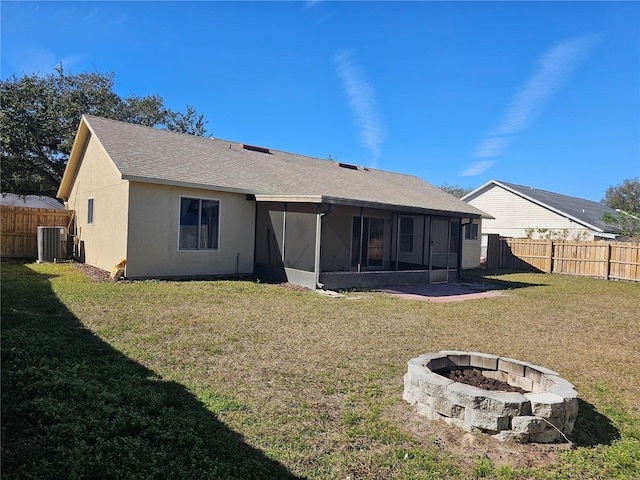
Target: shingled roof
585 212
150 155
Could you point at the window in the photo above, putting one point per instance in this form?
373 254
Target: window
471 231
199 224
406 234
90 211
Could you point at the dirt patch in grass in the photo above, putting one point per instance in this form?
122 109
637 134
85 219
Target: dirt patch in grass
469 446
94 273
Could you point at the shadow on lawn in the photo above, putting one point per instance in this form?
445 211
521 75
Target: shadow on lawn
74 407
489 277
592 428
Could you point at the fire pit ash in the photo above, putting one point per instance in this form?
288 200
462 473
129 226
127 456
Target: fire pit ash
543 408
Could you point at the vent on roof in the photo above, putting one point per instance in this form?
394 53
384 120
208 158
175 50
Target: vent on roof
253 148
351 167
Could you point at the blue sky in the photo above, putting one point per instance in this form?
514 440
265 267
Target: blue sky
544 94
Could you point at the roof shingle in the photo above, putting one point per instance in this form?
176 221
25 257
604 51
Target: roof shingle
158 156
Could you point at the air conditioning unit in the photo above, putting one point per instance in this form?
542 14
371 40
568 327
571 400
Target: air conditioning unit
52 244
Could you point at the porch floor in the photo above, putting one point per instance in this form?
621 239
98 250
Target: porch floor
443 292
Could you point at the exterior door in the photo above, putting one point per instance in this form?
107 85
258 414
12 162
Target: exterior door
367 253
439 250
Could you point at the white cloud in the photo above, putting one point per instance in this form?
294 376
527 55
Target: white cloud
40 61
361 98
491 147
553 70
478 168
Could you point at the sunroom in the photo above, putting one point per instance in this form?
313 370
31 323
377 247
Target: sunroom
329 243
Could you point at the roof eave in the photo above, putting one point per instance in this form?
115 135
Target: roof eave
77 151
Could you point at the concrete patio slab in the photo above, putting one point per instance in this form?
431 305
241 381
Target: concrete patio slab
445 292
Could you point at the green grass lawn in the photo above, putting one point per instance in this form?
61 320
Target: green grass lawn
226 379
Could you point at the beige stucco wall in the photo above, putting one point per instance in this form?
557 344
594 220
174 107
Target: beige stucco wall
154 212
472 249
104 241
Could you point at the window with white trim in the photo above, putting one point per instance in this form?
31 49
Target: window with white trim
90 210
199 224
406 234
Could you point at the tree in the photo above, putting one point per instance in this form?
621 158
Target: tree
455 190
625 197
39 117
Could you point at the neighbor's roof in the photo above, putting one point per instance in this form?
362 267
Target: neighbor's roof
30 201
586 212
145 154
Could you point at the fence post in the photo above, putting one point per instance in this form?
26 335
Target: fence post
607 261
493 251
549 268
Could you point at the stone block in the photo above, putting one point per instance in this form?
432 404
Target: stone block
567 393
528 424
496 375
545 405
519 381
428 412
485 420
439 363
425 398
550 381
435 385
462 424
507 403
533 374
459 360
427 357
511 436
408 396
510 365
543 370
466 395
446 408
550 435
417 372
483 360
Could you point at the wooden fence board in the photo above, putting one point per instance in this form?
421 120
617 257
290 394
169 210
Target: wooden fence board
19 228
609 260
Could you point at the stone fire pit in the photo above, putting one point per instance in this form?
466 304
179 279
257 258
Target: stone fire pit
544 413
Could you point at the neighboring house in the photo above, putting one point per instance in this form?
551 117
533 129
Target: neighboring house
30 201
177 205
522 212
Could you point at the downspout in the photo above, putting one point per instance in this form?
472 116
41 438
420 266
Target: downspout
460 243
361 239
319 216
284 235
424 235
397 240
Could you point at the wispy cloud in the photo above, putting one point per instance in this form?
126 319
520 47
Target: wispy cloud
553 70
478 168
361 98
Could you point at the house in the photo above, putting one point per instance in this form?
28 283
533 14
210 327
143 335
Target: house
522 212
176 205
29 201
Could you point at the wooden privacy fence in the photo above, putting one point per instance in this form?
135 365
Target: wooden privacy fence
19 230
609 260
